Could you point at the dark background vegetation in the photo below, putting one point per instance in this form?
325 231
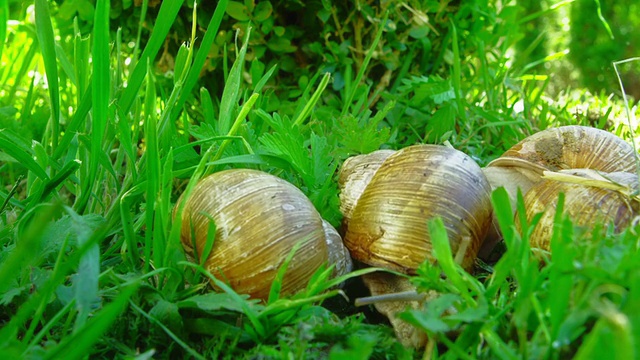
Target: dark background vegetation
569 43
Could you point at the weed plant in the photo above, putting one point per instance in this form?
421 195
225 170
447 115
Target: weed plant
98 139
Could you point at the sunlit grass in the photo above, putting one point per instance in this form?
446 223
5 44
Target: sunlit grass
96 146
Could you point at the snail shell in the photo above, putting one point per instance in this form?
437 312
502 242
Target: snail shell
554 149
585 204
387 224
258 218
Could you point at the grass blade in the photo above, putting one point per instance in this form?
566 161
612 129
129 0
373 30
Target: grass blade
365 63
314 99
4 17
228 103
168 12
100 97
79 117
78 345
11 144
442 252
457 76
153 173
200 58
44 30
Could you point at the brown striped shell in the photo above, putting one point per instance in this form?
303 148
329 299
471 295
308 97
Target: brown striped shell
554 149
388 223
573 147
586 205
258 218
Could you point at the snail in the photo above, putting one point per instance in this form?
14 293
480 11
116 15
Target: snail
386 225
590 197
387 198
584 155
554 149
258 219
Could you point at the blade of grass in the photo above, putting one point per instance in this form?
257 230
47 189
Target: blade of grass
312 102
100 97
4 18
166 16
247 308
365 64
442 252
44 30
81 63
200 58
603 20
560 274
228 103
173 336
276 285
79 117
78 345
457 77
49 186
12 146
26 64
244 111
143 14
152 170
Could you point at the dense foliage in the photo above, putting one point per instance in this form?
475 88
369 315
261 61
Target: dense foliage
109 111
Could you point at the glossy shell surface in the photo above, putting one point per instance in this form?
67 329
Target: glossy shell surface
258 219
573 147
388 225
584 205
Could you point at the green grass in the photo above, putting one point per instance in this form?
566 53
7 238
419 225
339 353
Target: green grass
93 161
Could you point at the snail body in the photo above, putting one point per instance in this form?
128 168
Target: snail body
258 219
387 224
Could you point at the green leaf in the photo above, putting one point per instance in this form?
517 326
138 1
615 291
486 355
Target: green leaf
238 11
358 348
101 95
214 302
362 136
441 123
85 282
430 319
442 252
167 313
262 11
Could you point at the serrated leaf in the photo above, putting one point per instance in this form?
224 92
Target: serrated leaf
442 122
363 136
